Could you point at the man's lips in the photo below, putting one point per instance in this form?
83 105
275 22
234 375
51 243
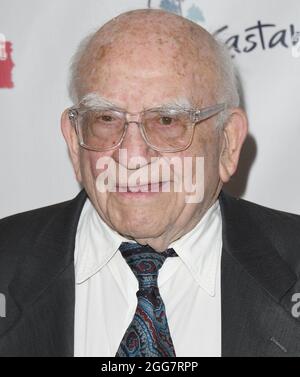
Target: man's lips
147 187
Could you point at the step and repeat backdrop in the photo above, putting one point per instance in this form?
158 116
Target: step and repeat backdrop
38 39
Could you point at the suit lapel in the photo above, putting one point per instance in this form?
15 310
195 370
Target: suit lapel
254 281
42 293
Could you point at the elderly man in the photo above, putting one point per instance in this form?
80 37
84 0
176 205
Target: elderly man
138 266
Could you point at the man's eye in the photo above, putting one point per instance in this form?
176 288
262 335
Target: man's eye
106 118
166 121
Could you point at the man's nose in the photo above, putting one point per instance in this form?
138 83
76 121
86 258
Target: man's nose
135 145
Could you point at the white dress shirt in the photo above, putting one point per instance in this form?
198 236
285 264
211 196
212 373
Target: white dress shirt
106 288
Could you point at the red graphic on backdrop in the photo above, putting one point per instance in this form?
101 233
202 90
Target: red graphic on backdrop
6 65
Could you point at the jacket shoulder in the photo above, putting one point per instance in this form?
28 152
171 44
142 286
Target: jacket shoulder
15 228
270 219
19 232
255 222
35 231
17 236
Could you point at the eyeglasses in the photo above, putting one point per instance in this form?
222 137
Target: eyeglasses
163 129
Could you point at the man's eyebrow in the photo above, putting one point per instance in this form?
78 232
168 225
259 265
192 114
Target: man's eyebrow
177 103
94 100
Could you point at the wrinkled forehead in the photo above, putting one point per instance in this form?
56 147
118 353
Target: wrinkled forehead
151 52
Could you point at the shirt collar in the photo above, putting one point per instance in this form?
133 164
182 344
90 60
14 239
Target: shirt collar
96 243
199 249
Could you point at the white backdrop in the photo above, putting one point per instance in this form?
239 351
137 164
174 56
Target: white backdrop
35 168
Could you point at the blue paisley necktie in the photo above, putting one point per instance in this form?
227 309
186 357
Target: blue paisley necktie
148 334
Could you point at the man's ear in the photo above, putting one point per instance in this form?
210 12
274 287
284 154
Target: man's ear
234 135
72 143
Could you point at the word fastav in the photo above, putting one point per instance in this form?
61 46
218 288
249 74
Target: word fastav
262 36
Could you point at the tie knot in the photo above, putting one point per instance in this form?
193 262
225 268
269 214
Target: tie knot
145 262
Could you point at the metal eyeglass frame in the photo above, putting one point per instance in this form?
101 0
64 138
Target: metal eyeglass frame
195 115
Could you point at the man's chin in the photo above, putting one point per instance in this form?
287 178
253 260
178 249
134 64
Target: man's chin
139 232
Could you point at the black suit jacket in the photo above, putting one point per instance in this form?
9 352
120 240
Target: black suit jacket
260 271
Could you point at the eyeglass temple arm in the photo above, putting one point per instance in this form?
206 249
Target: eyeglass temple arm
208 112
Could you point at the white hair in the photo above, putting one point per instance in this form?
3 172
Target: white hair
228 79
228 91
74 72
